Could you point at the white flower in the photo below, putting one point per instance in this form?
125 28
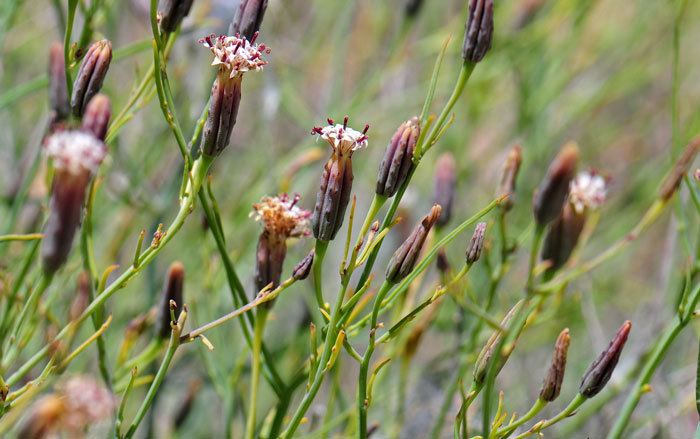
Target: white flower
75 151
234 54
587 191
281 216
341 137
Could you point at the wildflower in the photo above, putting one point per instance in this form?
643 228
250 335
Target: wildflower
551 387
303 268
551 195
248 18
281 219
336 180
91 74
511 167
172 14
599 373
445 181
406 256
587 191
172 293
398 158
58 89
476 244
479 30
233 56
76 156
96 118
674 178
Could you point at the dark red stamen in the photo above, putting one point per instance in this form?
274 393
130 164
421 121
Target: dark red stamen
345 122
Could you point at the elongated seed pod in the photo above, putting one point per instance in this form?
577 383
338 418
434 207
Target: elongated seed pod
248 18
445 181
96 117
479 30
551 386
172 14
398 158
173 290
406 256
487 352
562 237
549 198
600 371
511 167
90 76
476 243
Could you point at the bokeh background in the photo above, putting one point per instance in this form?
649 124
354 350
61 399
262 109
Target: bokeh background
619 78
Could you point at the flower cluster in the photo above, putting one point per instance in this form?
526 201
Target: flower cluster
281 216
342 138
587 190
75 151
235 54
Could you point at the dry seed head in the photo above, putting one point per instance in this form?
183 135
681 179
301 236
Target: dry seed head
599 373
587 191
476 243
549 198
406 256
479 30
398 158
282 217
75 152
674 178
511 167
248 18
551 387
235 55
445 181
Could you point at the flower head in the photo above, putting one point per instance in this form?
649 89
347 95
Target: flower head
281 216
88 402
342 138
75 151
587 191
235 54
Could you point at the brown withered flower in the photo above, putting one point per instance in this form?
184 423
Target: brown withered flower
479 30
76 155
335 185
58 88
172 13
90 76
96 117
551 386
551 195
476 243
398 158
248 18
511 167
234 57
406 256
173 291
674 178
281 219
599 373
445 181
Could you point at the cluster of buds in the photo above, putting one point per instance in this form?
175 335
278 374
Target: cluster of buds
335 185
398 158
172 296
234 56
552 193
172 14
445 183
281 219
91 74
248 18
509 176
406 256
479 31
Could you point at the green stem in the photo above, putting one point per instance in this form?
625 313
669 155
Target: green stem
568 411
534 410
255 371
321 248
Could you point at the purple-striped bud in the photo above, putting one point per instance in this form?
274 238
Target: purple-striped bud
674 178
172 293
476 243
335 185
406 256
479 30
303 268
76 155
248 18
91 74
269 260
511 167
96 117
398 158
562 237
549 198
551 387
484 359
172 14
445 181
599 373
58 88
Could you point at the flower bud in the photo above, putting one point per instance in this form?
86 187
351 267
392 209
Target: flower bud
484 358
335 185
406 256
248 18
599 373
555 375
76 156
269 260
674 178
96 118
442 262
303 268
476 244
398 158
445 181
172 14
479 30
172 292
413 8
82 296
91 74
58 89
562 237
511 167
550 196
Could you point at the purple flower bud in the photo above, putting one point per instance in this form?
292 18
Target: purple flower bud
248 18
479 30
172 14
406 256
303 268
58 89
96 117
549 198
445 181
674 178
398 158
223 110
551 387
509 177
269 260
476 244
599 373
484 358
562 237
91 74
172 292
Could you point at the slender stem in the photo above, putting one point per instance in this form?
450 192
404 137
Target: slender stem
321 248
534 410
255 371
568 411
72 6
